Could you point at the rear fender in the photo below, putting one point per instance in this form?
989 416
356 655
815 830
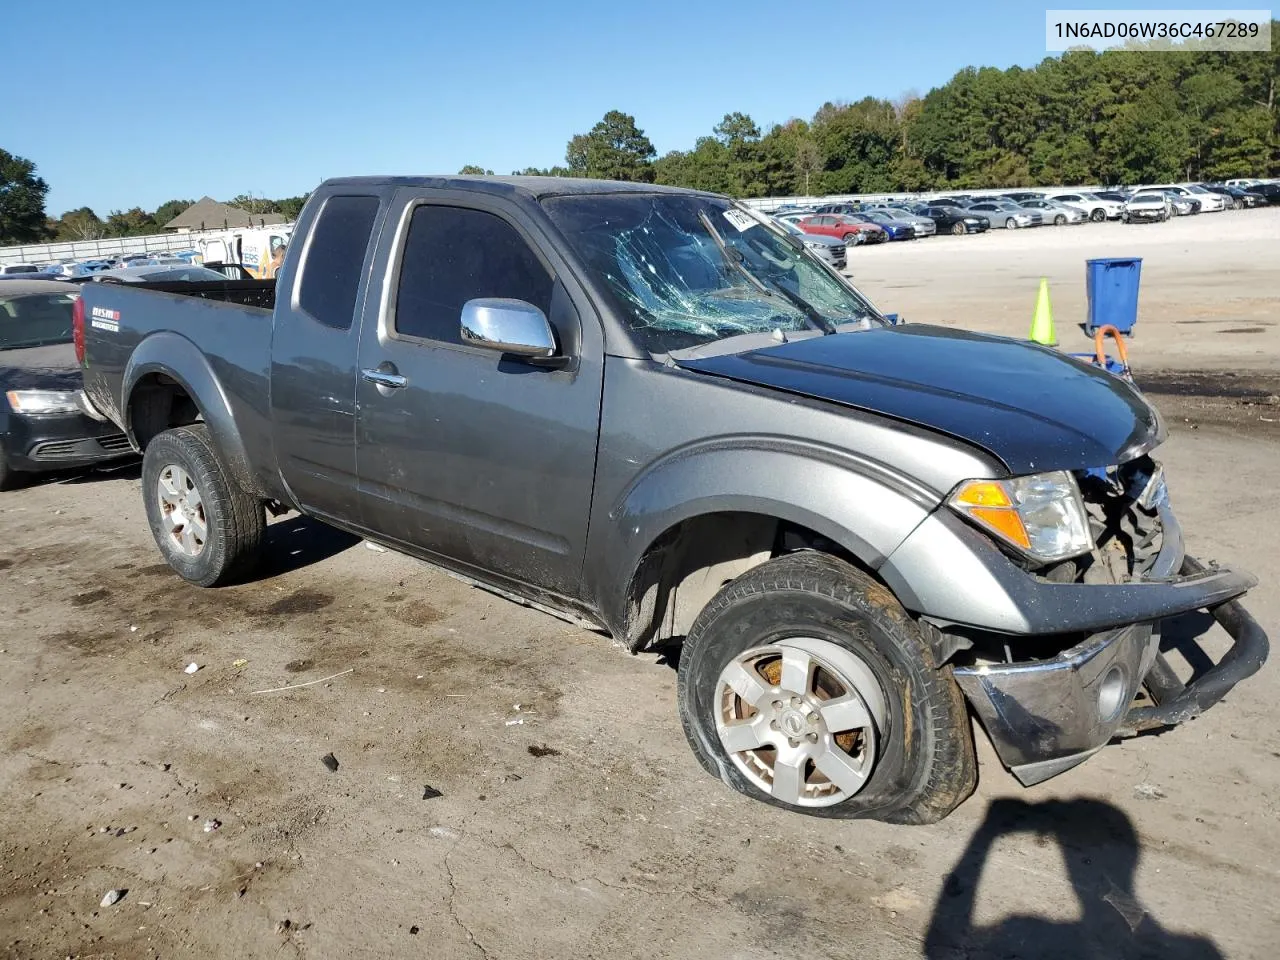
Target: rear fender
176 357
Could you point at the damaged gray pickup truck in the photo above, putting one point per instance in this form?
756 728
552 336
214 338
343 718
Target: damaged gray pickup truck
652 412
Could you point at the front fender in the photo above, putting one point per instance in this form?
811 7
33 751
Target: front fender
176 357
863 505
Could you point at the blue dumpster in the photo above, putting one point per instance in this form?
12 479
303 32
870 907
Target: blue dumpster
1113 293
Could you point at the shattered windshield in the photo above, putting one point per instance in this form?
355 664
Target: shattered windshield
685 270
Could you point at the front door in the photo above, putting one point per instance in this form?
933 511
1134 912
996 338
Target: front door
478 459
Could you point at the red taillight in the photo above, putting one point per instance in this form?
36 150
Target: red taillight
77 329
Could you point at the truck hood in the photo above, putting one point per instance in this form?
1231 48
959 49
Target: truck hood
40 368
1031 407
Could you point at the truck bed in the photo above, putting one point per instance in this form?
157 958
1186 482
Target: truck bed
223 328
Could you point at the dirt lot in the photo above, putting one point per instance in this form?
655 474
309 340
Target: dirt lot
578 824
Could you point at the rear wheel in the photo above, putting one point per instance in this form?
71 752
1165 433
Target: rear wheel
957 229
207 528
1097 216
804 684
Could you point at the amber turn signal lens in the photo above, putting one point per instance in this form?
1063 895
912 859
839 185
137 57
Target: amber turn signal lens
982 493
1004 521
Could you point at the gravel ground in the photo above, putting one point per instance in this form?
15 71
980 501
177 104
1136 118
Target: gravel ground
577 824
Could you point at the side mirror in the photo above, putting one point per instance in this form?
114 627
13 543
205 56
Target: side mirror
507 326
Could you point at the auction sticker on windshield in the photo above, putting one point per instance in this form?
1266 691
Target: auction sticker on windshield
739 220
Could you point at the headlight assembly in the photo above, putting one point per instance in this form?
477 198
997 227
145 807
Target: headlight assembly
1042 516
44 402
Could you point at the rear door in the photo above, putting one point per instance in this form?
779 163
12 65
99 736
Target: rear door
313 353
483 461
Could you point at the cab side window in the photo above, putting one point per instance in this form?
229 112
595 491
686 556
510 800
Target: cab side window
335 259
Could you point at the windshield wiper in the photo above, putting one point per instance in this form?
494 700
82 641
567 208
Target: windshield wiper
734 259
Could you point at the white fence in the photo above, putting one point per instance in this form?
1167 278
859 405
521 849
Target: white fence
102 249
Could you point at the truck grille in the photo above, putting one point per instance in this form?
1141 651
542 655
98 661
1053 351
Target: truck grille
88 448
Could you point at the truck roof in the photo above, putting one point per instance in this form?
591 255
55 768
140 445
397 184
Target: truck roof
533 188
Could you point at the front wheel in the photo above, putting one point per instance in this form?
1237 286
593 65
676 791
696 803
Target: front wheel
207 528
849 238
1059 220
804 684
1011 224
1097 216
957 230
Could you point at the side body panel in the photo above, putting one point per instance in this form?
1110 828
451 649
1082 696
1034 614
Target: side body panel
313 378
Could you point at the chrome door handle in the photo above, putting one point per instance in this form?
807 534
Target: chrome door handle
384 379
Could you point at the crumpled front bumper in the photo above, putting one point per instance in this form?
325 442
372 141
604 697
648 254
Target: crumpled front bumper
1046 716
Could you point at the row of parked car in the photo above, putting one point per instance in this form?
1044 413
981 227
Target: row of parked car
130 268
851 223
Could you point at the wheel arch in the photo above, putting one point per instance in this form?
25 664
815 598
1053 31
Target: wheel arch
669 547
170 383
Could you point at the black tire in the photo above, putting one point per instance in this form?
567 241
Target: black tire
234 520
1124 218
924 765
7 477
958 230
851 237
1097 216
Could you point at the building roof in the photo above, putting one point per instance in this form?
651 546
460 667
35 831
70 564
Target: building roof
209 214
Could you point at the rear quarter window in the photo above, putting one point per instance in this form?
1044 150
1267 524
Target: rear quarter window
335 259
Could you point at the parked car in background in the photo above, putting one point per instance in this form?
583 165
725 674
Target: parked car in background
844 227
1245 182
11 269
1096 205
159 273
1021 196
956 220
1056 213
1271 191
45 423
1007 214
74 271
958 200
1240 197
922 226
828 249
1176 204
1208 202
896 229
1145 207
844 206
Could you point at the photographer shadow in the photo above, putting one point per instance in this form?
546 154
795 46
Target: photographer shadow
1100 847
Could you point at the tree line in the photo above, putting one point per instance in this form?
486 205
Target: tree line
1118 117
23 218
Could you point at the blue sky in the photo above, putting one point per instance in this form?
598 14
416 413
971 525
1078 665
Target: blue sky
123 105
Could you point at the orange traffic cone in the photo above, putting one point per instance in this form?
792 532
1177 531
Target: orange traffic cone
1042 319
